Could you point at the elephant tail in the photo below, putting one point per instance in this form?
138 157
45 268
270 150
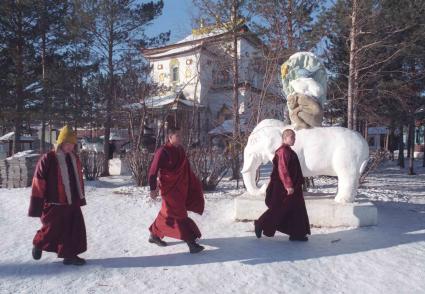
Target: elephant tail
363 167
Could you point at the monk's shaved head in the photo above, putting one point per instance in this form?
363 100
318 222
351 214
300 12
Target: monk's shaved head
173 130
288 137
287 133
174 136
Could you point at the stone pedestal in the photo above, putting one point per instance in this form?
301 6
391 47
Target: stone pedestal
322 210
118 167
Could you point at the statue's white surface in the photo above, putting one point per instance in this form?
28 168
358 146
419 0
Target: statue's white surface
332 151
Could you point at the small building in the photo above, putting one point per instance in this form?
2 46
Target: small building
376 137
6 144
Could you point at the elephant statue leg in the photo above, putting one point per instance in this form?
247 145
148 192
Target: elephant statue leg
347 187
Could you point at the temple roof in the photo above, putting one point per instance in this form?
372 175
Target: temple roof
197 39
169 99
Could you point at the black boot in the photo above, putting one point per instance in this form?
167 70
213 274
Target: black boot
36 253
298 238
258 230
74 261
156 240
194 247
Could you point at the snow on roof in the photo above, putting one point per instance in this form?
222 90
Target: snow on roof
161 101
174 51
24 154
227 127
113 136
9 137
195 37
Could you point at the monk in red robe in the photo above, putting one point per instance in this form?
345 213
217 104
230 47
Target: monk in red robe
286 211
181 192
57 194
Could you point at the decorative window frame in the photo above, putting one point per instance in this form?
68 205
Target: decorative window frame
174 64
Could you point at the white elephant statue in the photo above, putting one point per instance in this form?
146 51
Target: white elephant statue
331 151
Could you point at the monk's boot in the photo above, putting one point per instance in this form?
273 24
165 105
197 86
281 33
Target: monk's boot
156 240
258 230
36 253
74 261
194 247
298 238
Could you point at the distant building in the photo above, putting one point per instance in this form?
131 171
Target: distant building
197 73
6 144
376 137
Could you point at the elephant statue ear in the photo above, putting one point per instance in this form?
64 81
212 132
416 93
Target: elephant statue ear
301 69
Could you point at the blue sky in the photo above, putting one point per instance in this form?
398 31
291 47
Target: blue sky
177 16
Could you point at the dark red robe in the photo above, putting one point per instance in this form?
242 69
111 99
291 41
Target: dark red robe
181 192
63 230
285 213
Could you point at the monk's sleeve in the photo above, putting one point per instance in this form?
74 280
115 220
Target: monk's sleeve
38 189
159 160
283 167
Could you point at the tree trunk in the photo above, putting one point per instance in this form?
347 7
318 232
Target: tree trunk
366 130
411 148
401 149
387 141
141 128
109 97
236 122
352 68
423 159
45 102
356 122
45 111
409 139
16 146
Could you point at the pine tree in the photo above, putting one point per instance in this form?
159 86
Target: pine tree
117 26
17 34
51 38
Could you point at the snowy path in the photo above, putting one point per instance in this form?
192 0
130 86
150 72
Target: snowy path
388 258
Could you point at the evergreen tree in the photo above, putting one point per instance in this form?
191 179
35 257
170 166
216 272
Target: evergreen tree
17 35
116 26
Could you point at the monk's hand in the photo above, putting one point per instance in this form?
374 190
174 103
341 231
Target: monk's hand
290 191
154 193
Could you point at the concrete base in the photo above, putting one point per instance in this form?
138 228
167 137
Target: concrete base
118 167
322 211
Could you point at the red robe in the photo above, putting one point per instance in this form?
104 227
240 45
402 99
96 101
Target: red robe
57 194
181 192
285 213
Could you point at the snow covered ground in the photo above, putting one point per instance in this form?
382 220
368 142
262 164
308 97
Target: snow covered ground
388 258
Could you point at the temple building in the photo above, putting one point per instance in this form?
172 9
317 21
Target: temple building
197 75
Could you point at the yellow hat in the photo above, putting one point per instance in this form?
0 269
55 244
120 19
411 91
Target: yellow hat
66 135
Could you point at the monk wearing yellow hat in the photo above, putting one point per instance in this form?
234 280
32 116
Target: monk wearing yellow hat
57 196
